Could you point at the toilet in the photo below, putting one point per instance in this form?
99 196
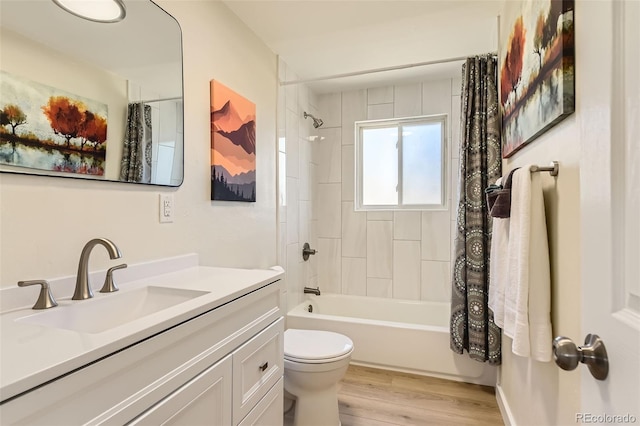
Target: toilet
314 363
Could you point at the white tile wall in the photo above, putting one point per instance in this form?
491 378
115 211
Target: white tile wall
329 157
304 221
380 215
436 281
408 100
379 249
354 276
383 254
406 270
456 85
296 192
379 111
329 210
354 231
291 92
436 97
379 287
292 149
293 212
436 235
348 172
354 108
330 110
380 95
329 265
407 226
304 170
292 272
455 126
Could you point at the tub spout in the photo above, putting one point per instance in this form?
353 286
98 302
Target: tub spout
312 290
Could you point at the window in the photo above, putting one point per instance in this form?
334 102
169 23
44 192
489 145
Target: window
400 163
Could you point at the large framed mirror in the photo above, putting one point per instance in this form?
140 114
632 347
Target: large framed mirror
91 100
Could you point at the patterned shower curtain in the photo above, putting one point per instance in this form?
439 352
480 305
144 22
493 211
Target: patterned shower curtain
136 153
472 327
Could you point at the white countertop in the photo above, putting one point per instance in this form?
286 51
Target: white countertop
32 354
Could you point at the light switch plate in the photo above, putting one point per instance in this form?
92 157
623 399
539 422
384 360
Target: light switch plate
166 208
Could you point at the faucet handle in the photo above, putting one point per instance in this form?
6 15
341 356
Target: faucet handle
45 299
110 286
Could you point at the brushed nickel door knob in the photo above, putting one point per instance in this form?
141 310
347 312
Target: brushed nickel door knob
593 353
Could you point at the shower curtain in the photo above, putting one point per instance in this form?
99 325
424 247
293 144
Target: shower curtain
136 153
471 326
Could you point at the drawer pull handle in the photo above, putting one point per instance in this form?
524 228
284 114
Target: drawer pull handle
264 366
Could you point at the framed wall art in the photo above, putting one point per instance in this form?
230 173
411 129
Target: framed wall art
45 128
233 145
537 69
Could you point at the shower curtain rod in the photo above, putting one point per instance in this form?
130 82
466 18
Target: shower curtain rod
376 70
175 98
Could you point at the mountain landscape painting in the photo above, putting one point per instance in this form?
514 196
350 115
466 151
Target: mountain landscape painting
233 145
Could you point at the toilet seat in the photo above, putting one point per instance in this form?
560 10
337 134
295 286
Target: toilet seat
315 346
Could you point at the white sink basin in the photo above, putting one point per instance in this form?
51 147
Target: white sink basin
112 310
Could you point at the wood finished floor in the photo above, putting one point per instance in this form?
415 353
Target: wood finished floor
372 397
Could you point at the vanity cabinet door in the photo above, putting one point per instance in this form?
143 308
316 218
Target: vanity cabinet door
203 400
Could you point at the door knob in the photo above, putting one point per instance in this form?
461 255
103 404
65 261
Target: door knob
567 355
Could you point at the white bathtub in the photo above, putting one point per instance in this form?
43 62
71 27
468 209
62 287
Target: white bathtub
402 335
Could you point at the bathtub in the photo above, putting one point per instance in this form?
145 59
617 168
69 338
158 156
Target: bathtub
401 335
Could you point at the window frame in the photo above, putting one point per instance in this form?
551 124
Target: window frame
399 123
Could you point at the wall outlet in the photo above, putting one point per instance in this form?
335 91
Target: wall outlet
166 208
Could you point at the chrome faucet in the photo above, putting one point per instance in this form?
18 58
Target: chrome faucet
83 289
312 290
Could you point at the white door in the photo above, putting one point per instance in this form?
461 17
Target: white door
610 207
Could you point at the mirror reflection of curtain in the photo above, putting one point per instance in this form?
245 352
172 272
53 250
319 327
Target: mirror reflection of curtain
136 153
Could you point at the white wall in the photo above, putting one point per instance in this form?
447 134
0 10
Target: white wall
44 222
404 255
541 393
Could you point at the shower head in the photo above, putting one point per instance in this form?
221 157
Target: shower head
317 122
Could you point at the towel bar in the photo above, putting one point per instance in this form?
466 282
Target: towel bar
553 170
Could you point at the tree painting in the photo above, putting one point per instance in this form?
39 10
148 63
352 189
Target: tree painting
47 128
536 69
511 73
92 129
11 115
65 116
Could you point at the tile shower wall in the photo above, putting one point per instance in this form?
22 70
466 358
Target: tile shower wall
296 179
405 255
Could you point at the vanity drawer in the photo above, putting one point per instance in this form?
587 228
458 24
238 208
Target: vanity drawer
205 399
257 366
268 412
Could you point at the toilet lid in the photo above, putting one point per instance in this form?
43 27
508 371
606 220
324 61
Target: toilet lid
315 344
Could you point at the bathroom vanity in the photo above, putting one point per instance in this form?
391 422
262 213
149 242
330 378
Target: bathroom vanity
200 345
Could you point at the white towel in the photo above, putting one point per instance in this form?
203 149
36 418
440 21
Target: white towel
498 267
519 282
527 295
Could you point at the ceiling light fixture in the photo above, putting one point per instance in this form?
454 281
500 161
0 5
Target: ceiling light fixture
95 10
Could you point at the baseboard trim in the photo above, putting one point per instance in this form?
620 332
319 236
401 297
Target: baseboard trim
503 404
